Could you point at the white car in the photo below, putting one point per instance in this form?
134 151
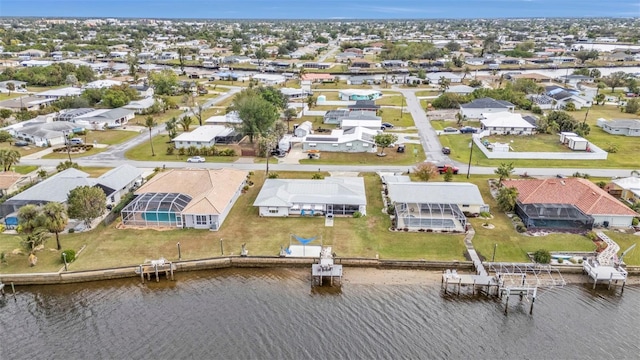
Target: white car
196 159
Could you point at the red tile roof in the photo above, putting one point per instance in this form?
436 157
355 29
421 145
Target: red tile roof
582 193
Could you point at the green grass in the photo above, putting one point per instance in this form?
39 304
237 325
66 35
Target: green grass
330 95
142 152
459 144
427 93
393 157
391 100
23 150
25 169
6 96
109 137
393 116
161 118
107 246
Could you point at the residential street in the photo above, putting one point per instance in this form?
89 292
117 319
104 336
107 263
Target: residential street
114 156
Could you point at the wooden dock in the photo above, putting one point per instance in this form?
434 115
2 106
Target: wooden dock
157 268
325 268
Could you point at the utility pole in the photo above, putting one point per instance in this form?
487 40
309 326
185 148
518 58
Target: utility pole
470 155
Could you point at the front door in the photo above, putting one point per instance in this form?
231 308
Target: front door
329 209
179 220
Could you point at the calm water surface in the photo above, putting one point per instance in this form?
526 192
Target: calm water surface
274 314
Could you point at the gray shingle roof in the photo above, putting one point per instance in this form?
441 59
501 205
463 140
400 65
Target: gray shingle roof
486 103
119 177
331 190
56 188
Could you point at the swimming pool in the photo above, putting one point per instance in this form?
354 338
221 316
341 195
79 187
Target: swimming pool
167 217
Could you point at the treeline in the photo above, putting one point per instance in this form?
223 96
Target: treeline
52 75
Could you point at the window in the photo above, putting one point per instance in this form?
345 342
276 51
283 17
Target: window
312 144
201 220
465 205
334 145
349 144
365 145
273 210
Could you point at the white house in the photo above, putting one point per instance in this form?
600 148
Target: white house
506 123
102 84
202 136
340 196
140 106
356 139
434 78
479 107
101 118
59 93
347 124
229 118
270 79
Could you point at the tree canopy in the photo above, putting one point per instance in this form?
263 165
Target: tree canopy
86 203
164 82
258 114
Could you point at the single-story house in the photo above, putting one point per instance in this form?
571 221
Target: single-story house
30 103
186 198
543 101
394 63
337 116
479 107
101 118
627 189
59 93
434 78
229 118
346 124
293 93
44 134
118 181
364 105
9 181
362 80
359 94
57 187
202 136
435 206
270 79
506 123
627 127
140 106
33 53
356 139
568 204
460 89
102 84
144 91
340 196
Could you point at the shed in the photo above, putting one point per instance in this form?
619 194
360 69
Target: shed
577 143
564 137
304 129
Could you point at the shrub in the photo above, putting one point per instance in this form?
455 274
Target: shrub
273 175
3 258
245 188
485 214
2 228
4 136
591 235
71 255
170 150
317 176
560 260
542 256
357 214
580 261
520 228
635 222
391 209
72 230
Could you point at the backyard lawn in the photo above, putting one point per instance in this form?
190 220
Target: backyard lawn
366 237
392 116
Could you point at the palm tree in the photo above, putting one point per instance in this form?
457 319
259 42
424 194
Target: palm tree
444 83
35 239
507 198
289 114
29 218
185 123
504 171
9 158
149 123
55 219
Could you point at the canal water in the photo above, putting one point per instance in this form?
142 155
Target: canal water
275 314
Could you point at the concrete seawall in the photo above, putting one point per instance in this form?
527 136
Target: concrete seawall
250 262
224 263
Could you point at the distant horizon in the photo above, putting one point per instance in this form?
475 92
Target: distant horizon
326 10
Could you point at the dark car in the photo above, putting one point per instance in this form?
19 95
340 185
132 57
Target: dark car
468 130
446 150
386 125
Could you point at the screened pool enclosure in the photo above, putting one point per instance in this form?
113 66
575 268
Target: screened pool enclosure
553 217
156 210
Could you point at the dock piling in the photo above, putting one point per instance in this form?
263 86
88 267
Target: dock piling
13 289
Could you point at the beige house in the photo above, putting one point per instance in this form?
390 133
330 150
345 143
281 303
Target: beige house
186 198
9 182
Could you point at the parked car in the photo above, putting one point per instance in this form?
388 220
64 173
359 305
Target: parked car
400 148
386 125
196 159
444 167
450 130
446 150
468 130
20 143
